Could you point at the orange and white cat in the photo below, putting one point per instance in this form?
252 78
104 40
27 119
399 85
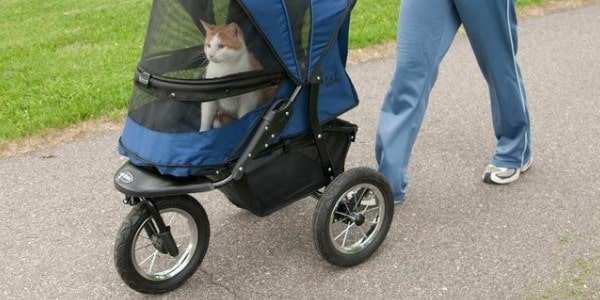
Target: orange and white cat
227 54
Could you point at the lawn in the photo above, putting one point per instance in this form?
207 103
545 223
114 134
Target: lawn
374 22
65 61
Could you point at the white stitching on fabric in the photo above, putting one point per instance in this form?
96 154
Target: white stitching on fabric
512 45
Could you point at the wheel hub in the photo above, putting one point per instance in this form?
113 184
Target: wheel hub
359 219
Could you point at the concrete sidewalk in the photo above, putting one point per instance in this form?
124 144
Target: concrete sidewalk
454 237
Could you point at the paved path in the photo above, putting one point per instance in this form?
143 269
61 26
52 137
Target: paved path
455 237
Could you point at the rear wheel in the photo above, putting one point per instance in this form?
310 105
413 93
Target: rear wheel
353 217
142 261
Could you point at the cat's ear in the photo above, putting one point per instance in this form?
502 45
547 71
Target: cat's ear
207 26
234 29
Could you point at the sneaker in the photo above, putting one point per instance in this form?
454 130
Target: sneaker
500 175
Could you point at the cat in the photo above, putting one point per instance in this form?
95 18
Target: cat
227 54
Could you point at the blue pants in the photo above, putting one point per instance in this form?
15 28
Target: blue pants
425 32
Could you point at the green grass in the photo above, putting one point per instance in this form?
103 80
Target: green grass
375 22
530 2
65 61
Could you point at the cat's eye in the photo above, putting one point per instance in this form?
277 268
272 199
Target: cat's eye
207 45
221 46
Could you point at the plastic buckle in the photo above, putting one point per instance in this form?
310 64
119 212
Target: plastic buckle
144 79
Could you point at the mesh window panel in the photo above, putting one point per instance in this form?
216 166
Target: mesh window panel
299 14
199 40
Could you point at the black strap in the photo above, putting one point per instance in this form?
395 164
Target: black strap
328 169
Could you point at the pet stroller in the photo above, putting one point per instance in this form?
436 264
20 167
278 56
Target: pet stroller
241 96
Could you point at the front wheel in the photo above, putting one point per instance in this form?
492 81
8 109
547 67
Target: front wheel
353 217
142 261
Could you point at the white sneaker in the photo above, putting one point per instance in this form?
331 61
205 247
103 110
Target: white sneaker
500 175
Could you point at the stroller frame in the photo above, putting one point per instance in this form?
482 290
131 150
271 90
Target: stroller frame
359 198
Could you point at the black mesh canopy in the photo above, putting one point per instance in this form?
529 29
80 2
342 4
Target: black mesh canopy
175 39
200 51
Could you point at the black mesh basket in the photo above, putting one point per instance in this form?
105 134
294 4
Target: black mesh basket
290 171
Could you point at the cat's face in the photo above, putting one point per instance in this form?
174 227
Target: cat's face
223 43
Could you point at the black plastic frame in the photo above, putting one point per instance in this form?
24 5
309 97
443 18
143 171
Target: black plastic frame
205 90
329 171
137 181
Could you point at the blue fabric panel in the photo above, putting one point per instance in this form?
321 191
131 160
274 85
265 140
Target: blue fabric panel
186 154
175 153
270 17
326 20
336 95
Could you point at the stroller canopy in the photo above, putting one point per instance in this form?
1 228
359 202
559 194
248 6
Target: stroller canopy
298 31
284 24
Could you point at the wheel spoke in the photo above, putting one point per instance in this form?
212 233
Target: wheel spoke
359 196
346 205
370 209
143 247
345 215
365 237
335 222
171 220
366 207
152 262
344 232
147 258
346 235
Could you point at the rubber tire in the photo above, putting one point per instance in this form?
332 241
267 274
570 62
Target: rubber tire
326 204
125 237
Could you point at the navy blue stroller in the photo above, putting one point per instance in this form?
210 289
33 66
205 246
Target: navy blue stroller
242 96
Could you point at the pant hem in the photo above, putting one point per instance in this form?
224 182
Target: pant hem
512 165
399 198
